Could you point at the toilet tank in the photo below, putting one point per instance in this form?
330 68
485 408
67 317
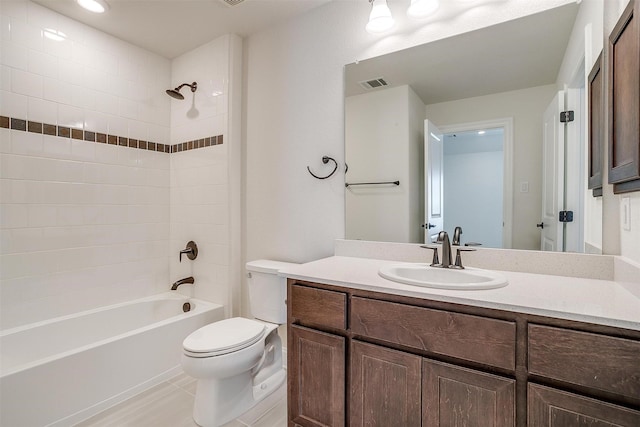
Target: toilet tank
267 291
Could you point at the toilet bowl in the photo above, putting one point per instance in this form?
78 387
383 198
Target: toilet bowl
238 361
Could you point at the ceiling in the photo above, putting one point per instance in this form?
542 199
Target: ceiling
173 27
517 54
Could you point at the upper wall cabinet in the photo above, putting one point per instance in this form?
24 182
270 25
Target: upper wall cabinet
596 126
624 101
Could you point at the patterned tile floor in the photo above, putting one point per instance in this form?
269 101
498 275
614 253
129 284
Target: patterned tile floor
170 403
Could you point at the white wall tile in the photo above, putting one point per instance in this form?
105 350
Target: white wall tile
5 77
13 105
70 72
41 17
56 147
40 110
42 63
96 121
41 215
5 140
13 215
26 83
14 55
26 143
70 116
26 35
14 8
57 90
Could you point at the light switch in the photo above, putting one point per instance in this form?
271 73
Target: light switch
625 213
524 187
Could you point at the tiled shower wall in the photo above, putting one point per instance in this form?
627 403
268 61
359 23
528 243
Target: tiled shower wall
200 183
82 223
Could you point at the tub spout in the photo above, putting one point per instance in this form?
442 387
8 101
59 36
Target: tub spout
189 280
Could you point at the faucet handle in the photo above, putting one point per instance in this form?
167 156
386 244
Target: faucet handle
435 261
191 251
458 263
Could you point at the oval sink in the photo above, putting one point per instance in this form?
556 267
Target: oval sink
443 278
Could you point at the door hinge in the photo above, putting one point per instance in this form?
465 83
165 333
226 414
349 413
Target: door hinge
566 116
565 216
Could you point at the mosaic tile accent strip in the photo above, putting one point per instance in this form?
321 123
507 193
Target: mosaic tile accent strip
101 138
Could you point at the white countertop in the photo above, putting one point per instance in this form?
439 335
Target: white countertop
602 302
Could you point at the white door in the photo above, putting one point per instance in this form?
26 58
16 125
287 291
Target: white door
552 176
433 182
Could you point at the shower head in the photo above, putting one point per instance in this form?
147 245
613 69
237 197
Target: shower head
175 93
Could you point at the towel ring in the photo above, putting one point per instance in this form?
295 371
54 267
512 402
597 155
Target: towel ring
325 160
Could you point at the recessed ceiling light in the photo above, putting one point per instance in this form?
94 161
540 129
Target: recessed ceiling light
95 6
481 132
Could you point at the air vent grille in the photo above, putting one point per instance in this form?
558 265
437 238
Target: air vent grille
231 3
373 84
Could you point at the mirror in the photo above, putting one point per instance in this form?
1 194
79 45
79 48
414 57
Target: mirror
494 83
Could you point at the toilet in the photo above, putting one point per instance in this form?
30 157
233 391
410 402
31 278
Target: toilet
238 361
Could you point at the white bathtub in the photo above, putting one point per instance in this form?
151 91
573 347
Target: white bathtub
64 370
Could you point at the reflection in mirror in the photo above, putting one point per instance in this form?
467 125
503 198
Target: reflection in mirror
502 186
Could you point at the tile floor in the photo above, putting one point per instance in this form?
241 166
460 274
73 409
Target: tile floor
170 403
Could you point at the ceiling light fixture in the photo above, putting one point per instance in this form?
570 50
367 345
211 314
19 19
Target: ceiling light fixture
422 8
380 19
95 6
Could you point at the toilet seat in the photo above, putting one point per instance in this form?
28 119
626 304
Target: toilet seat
222 337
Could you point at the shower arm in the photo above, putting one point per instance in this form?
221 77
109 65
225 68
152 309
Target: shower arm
193 86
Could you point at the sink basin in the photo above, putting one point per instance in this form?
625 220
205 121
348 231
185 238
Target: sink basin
443 278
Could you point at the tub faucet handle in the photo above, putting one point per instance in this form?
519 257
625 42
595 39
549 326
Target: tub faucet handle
191 251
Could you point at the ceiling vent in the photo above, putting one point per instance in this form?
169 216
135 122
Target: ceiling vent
373 84
231 3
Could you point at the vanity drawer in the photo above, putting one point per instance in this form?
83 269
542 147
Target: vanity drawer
586 359
478 339
318 307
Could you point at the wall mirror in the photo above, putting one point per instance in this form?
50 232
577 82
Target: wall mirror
464 131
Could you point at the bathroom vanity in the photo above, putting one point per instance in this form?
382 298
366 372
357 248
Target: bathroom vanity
366 351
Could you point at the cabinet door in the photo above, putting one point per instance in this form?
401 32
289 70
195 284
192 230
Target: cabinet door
596 126
624 102
456 396
548 407
316 378
385 387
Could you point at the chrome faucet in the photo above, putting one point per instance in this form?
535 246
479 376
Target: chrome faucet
456 236
190 280
443 238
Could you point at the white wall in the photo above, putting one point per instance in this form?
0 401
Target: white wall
381 142
201 179
527 147
294 115
82 224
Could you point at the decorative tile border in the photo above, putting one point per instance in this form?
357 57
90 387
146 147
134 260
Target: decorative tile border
101 138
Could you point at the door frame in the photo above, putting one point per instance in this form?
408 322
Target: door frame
507 187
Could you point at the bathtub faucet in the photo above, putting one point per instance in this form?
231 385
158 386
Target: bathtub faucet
189 280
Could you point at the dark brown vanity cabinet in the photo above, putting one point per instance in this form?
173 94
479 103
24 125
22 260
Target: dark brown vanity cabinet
362 358
624 101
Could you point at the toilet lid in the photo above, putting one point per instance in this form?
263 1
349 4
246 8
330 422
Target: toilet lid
224 336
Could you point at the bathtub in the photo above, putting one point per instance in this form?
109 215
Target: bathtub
62 371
